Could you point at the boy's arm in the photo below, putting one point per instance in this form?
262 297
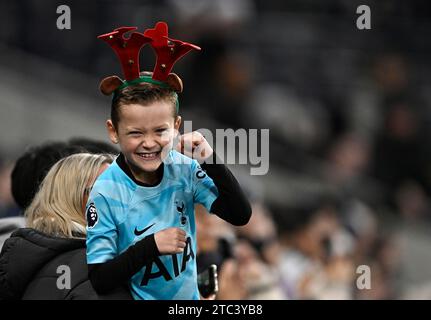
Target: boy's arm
231 204
111 274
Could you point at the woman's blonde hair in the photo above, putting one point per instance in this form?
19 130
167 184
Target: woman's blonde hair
56 209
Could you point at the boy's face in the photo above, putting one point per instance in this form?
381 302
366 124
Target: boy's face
143 132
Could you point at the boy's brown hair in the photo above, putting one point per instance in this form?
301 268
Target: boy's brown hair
144 94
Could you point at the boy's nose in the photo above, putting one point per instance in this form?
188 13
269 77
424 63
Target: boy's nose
149 143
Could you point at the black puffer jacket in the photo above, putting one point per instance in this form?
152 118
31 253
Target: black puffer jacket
29 268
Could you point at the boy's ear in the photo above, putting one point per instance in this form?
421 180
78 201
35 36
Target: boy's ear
177 123
112 132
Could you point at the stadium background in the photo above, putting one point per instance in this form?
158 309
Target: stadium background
349 114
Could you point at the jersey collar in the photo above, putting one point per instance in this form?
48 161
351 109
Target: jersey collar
121 161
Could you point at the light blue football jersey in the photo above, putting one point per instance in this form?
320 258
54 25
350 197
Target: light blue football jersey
120 212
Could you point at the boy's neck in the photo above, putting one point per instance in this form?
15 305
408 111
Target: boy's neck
145 179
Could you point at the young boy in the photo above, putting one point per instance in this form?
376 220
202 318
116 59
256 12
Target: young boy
140 214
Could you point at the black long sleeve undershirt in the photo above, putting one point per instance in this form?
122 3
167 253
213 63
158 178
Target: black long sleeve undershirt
231 205
111 274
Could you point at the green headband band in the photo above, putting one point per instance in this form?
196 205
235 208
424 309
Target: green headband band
147 79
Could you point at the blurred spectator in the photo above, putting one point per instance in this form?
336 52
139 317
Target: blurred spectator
349 158
31 168
317 260
231 284
93 146
261 233
214 239
215 245
401 152
258 254
413 202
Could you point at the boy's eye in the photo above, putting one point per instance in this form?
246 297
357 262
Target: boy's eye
161 130
134 133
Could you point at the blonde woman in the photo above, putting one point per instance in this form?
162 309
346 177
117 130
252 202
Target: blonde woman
47 260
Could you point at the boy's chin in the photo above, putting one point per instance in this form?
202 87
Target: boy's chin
148 165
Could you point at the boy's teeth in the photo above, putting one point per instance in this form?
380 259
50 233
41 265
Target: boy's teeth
148 155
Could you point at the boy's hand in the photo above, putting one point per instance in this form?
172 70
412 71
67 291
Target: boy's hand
170 241
195 146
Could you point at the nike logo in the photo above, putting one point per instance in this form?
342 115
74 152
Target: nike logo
139 232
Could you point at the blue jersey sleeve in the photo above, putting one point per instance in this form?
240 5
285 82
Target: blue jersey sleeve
204 190
102 231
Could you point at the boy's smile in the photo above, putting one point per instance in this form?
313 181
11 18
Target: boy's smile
148 156
144 132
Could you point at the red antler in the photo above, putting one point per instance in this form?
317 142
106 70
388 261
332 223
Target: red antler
168 51
127 50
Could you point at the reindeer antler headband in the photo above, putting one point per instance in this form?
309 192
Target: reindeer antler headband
167 50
